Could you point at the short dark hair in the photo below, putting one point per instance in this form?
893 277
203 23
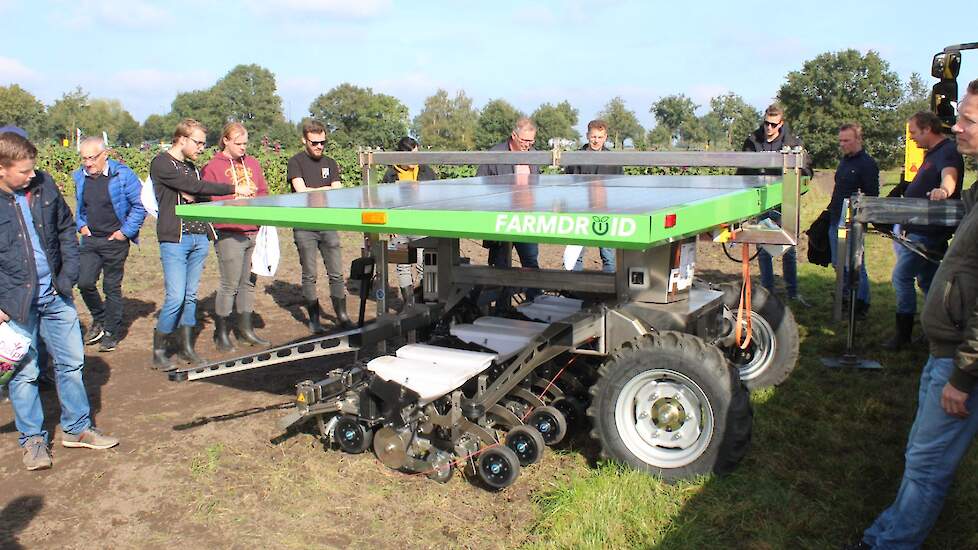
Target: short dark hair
312 126
15 148
856 128
774 109
927 120
973 87
407 143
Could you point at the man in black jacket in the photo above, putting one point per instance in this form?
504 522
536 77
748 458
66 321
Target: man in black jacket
597 136
183 245
38 268
773 135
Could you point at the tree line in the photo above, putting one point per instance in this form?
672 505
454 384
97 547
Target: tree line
832 88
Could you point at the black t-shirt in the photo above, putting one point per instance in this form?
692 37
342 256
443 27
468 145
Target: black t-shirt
314 173
102 220
944 155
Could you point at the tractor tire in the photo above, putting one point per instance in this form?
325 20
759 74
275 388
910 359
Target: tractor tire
671 406
773 350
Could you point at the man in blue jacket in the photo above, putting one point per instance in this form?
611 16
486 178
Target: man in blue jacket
110 214
38 268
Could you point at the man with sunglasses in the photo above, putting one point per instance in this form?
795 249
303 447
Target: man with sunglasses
773 135
110 214
521 139
311 170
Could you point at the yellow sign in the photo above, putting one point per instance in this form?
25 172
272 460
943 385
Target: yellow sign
913 157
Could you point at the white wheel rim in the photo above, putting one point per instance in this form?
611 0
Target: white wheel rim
664 418
763 346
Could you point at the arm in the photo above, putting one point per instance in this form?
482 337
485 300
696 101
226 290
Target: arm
870 183
300 186
168 175
965 375
949 183
390 176
65 226
132 187
81 220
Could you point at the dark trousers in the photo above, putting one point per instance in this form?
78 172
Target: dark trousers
311 246
100 256
528 253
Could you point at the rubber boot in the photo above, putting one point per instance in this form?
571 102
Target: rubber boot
407 297
246 331
902 337
342 319
185 351
222 334
314 325
160 360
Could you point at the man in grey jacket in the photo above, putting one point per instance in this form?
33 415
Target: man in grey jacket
946 421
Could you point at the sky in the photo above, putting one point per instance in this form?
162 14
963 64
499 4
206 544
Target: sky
144 52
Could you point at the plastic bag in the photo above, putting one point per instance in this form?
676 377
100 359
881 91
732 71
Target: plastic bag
264 260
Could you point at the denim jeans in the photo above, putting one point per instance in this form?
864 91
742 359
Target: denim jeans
99 255
936 444
57 323
911 267
862 293
237 287
311 246
183 263
607 260
789 263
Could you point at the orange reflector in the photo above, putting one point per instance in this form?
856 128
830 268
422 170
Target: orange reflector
670 220
376 218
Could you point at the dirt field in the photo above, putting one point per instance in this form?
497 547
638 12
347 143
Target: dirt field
199 466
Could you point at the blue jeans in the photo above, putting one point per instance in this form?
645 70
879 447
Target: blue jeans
912 267
57 323
183 263
862 293
607 260
936 444
789 263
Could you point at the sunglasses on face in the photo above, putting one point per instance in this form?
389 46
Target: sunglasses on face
312 143
770 124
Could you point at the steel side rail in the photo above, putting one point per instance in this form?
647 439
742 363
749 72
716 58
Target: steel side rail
772 159
332 344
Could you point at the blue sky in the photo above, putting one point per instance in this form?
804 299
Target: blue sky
143 52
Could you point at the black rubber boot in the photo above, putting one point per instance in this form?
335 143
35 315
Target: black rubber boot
407 297
246 331
862 310
185 351
314 325
342 319
160 360
222 334
904 331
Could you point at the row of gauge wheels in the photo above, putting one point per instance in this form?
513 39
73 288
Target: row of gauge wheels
499 465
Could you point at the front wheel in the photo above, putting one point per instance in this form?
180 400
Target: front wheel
671 406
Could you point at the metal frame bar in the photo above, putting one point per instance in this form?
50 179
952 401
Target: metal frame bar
557 158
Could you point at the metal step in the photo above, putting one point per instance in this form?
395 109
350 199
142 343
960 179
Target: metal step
319 346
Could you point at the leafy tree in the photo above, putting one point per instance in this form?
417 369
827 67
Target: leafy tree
446 123
65 114
730 120
358 116
202 106
846 86
158 128
678 114
916 97
496 122
247 94
18 107
660 137
555 122
622 124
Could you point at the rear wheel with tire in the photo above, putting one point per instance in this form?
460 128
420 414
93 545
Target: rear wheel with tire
671 406
772 352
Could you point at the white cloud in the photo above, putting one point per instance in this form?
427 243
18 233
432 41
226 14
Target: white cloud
129 14
355 9
13 71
